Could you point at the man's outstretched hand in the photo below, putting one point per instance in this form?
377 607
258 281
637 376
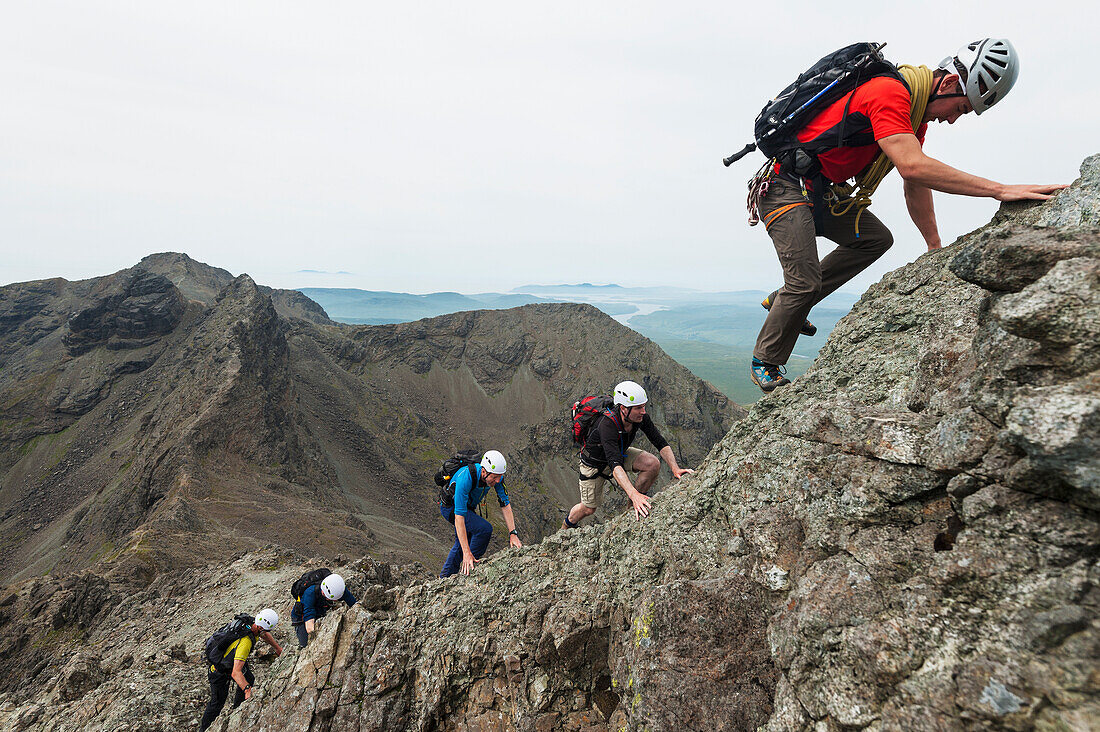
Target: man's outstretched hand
1029 192
641 504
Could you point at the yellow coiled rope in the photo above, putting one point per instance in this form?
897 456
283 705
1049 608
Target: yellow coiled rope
845 195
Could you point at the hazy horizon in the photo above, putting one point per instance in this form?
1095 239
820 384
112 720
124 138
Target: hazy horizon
470 148
519 289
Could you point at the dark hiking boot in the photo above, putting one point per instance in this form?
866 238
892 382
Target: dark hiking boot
807 328
767 376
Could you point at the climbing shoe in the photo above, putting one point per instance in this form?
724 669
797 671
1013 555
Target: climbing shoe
807 328
767 376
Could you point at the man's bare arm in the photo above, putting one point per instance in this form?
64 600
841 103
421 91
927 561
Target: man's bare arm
510 522
639 500
905 153
670 460
918 199
238 676
270 640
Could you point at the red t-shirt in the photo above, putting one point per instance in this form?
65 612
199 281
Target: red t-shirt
880 106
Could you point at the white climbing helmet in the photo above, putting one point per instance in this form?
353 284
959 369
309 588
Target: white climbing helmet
267 618
988 69
332 587
630 394
494 462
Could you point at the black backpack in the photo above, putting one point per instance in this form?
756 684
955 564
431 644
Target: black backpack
829 79
307 580
450 466
218 644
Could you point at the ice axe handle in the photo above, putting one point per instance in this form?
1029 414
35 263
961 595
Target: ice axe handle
739 154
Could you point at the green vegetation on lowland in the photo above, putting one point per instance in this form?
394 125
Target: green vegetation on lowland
734 325
726 367
715 342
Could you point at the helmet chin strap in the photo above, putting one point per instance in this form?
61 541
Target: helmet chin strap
936 89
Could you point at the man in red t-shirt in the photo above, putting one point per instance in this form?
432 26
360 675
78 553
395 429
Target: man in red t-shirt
878 119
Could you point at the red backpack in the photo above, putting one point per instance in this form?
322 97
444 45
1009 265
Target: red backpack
585 413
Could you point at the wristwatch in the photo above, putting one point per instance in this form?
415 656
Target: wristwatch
513 531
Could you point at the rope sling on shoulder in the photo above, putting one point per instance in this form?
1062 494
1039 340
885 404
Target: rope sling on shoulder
842 197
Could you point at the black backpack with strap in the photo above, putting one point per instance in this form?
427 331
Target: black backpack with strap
445 475
307 580
829 79
218 644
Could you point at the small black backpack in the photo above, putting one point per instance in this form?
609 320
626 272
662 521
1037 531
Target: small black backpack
832 77
450 466
307 580
218 644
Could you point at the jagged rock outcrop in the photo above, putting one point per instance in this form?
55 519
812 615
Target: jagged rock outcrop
199 281
132 311
138 665
906 538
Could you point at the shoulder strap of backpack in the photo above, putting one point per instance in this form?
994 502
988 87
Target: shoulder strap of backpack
611 412
471 466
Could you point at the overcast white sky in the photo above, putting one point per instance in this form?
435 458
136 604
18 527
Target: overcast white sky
469 146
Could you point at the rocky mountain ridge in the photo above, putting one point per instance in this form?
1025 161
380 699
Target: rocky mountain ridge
160 421
179 400
905 538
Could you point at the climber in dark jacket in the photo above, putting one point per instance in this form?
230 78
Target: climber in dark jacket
608 455
315 603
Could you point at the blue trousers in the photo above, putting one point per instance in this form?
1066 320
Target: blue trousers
478 533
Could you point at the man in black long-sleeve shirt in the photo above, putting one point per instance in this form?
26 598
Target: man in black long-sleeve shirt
607 455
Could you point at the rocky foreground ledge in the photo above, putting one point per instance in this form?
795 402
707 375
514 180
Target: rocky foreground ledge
905 538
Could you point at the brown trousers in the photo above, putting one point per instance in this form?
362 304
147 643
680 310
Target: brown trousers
806 281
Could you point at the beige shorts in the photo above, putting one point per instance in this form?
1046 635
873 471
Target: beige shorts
592 482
